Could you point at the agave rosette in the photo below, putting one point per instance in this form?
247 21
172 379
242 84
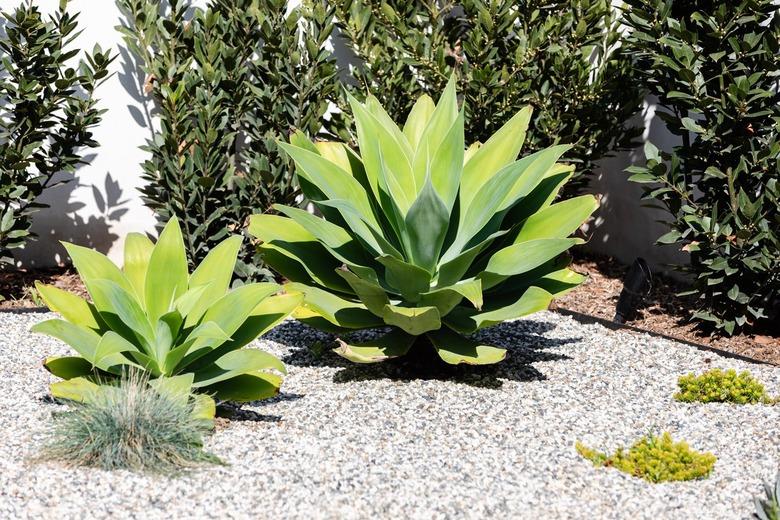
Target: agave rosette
422 235
180 330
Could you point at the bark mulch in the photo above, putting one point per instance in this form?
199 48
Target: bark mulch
661 312
17 288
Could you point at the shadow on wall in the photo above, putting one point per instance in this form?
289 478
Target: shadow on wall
133 79
625 227
61 222
64 219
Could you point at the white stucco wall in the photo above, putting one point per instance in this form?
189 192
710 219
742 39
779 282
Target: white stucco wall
624 228
103 203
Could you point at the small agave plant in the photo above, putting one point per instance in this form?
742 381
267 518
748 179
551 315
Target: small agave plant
421 235
180 330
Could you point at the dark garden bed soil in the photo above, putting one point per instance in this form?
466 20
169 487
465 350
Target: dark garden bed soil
661 312
17 288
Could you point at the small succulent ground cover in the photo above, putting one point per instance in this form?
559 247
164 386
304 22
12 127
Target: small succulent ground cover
655 458
768 506
131 425
722 386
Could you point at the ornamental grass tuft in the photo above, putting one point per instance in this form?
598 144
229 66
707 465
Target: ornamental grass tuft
719 386
130 425
656 459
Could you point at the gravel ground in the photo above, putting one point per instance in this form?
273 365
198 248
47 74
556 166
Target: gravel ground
347 441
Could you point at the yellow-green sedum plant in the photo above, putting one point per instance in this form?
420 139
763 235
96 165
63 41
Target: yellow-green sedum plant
656 458
181 330
719 386
422 235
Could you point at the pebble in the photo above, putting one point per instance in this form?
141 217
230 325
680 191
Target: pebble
358 441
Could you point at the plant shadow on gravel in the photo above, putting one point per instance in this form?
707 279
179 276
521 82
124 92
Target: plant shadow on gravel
241 412
524 340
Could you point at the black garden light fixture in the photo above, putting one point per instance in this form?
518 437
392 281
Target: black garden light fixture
636 285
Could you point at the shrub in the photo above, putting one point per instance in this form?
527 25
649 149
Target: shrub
654 458
228 81
130 425
768 507
47 112
717 386
154 316
561 57
714 68
423 237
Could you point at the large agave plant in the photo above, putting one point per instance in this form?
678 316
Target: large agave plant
179 329
421 235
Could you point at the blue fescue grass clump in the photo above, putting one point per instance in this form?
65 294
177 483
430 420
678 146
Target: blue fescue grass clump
130 426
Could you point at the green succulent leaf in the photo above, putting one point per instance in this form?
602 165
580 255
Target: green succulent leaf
108 348
251 368
289 238
214 275
426 224
73 308
178 387
81 339
79 389
138 251
334 309
167 276
446 298
334 238
502 148
559 220
203 407
334 182
370 293
334 152
543 194
512 182
92 265
232 309
68 367
366 233
466 320
246 387
111 298
407 278
455 349
394 344
417 121
523 257
412 320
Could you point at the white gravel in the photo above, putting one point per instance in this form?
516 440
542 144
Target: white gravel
348 441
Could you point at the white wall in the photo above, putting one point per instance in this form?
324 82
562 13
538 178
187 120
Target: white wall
103 203
624 228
